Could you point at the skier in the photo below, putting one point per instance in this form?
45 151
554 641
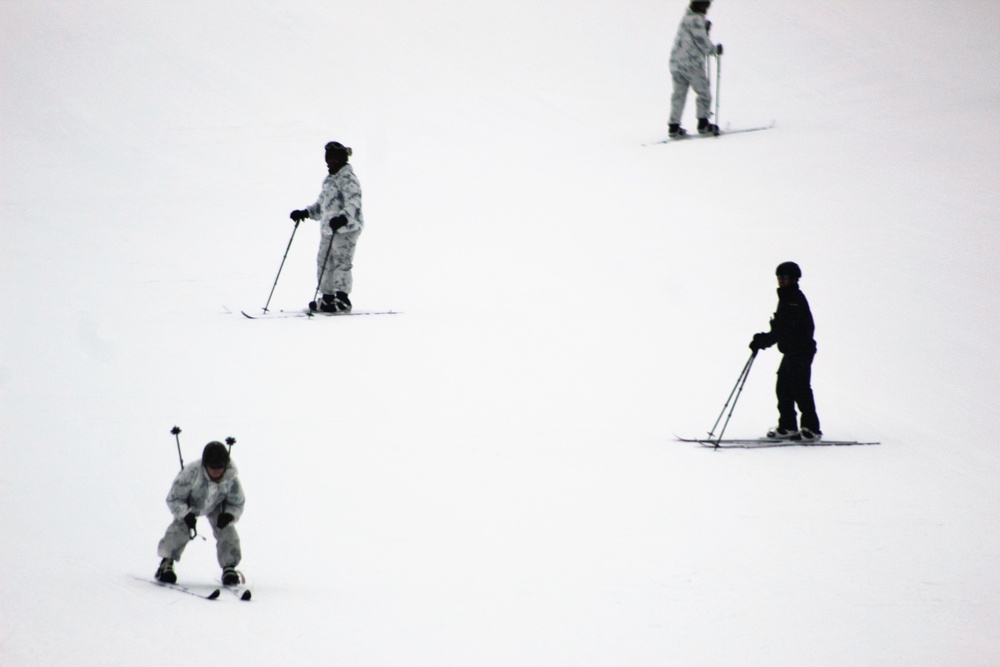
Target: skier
792 329
207 487
338 208
687 69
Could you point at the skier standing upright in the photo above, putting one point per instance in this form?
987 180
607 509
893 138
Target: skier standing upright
338 208
687 69
208 487
792 329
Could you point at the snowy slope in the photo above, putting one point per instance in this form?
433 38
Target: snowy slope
491 477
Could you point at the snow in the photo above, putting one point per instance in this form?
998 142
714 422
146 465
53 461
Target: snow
491 478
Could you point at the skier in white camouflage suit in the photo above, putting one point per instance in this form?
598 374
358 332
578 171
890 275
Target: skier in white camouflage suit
687 69
207 487
338 209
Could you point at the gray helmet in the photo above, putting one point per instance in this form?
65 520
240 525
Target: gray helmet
789 269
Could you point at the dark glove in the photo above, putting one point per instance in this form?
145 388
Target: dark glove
708 25
299 215
338 222
718 49
224 520
190 520
759 342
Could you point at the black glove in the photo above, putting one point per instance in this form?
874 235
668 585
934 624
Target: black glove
338 222
708 25
224 520
190 520
299 215
718 49
759 342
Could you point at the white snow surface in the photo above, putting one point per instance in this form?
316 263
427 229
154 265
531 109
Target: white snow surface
491 477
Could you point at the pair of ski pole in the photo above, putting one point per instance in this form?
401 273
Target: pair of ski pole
326 260
176 432
737 390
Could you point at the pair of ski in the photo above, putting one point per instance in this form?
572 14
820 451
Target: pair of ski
274 314
760 443
720 133
241 590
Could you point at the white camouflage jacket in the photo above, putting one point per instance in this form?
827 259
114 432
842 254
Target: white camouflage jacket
193 491
692 45
341 194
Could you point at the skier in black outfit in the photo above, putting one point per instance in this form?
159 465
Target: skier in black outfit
792 329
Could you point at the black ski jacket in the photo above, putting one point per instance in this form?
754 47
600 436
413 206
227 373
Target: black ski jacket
792 326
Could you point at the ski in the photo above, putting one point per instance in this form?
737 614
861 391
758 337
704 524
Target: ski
758 443
722 133
277 314
241 590
213 593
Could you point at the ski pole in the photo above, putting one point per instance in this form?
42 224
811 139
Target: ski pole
282 265
718 81
176 431
192 532
230 441
737 390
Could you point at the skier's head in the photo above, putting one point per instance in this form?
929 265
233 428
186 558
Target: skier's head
787 273
337 155
215 459
700 6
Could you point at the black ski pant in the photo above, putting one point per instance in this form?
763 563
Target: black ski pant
794 388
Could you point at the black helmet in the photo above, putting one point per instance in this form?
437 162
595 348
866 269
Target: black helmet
789 269
215 455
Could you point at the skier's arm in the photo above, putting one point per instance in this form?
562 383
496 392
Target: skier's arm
350 192
235 500
700 38
180 492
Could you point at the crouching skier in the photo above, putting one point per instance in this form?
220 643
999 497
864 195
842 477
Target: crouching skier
207 487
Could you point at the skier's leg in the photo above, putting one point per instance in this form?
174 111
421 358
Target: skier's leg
322 261
678 98
227 543
785 390
339 276
703 89
804 394
174 540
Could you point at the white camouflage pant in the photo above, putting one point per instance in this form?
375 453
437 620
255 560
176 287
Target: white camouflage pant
227 542
696 79
338 262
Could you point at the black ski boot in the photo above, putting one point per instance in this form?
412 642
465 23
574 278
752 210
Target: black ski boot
230 577
704 127
326 304
342 302
165 572
676 131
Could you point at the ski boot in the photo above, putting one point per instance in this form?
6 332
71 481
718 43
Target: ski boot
778 433
230 576
165 572
809 435
676 131
704 127
342 302
326 304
